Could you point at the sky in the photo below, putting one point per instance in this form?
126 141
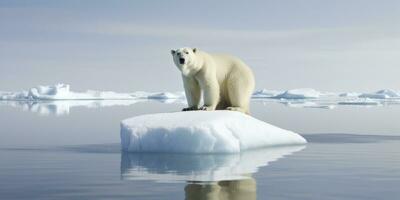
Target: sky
341 45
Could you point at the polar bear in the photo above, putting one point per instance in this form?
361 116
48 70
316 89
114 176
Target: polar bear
226 81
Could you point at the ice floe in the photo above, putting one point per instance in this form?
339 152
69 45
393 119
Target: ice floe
201 132
381 94
62 92
302 93
264 93
42 99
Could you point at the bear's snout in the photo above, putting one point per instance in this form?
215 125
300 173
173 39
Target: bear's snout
181 61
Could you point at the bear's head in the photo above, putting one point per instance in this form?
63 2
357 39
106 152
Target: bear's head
185 60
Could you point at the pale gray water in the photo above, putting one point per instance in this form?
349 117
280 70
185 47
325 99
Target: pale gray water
353 153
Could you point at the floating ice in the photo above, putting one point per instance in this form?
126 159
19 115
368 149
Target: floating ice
350 94
309 98
303 93
381 94
201 132
264 93
62 92
200 167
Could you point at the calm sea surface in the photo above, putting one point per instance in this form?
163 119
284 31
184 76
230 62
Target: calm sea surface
70 150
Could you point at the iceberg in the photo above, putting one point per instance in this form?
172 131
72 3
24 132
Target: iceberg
302 93
201 132
200 167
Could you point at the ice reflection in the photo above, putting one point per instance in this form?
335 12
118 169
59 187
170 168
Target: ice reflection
199 168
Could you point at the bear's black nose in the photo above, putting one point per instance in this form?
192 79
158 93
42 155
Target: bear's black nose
181 61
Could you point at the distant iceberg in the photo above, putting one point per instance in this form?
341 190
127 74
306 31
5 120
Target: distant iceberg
302 93
264 93
201 132
381 94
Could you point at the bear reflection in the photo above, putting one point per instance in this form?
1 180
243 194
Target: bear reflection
233 190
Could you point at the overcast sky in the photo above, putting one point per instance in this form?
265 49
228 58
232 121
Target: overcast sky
340 45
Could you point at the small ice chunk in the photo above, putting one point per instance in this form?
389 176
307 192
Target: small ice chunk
201 132
302 93
264 93
350 94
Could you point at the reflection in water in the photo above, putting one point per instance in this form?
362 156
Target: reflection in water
62 107
204 168
221 176
244 189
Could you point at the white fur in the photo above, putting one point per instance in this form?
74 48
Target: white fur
226 81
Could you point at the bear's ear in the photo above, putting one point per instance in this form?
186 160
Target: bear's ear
172 52
194 50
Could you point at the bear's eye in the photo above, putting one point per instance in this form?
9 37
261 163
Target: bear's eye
187 52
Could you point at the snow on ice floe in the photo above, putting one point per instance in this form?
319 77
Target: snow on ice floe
302 93
200 167
201 132
264 93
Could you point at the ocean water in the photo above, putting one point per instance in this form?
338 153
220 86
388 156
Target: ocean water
70 150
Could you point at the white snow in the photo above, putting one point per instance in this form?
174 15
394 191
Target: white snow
200 167
264 93
201 132
302 93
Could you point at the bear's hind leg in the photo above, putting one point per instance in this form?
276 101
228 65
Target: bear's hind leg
239 109
239 93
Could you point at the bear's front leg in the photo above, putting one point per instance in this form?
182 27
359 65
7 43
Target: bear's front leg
192 92
210 95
